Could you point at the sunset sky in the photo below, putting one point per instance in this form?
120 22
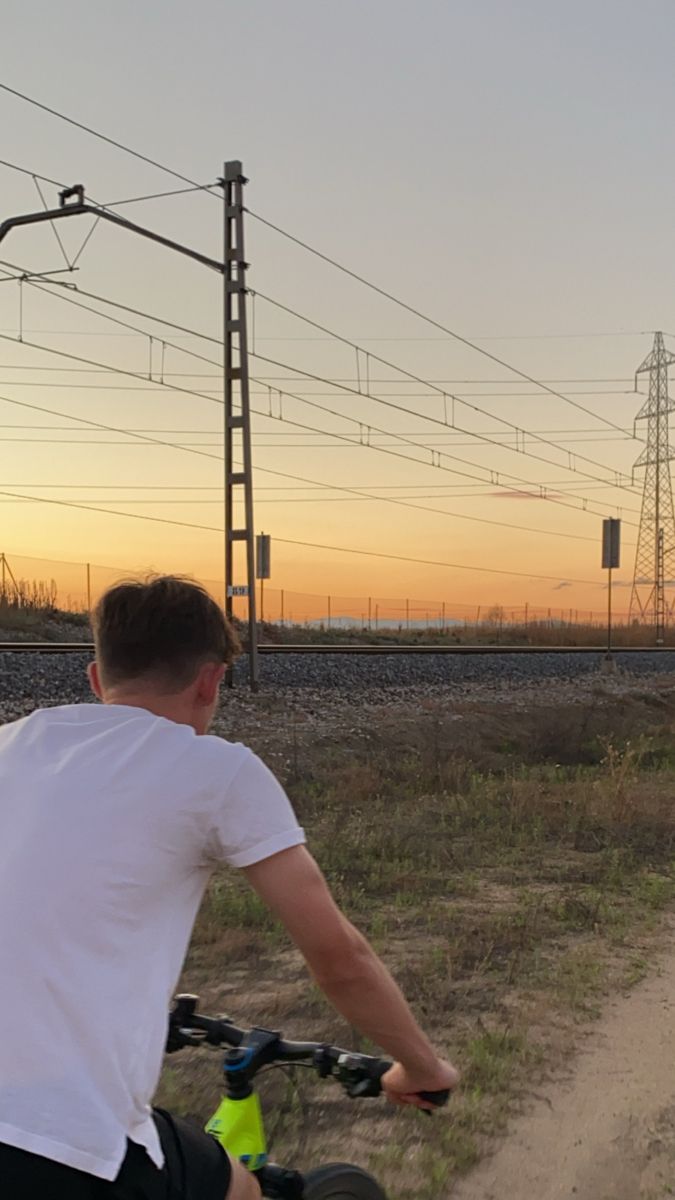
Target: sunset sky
506 168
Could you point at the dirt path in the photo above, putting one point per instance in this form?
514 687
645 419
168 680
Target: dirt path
608 1131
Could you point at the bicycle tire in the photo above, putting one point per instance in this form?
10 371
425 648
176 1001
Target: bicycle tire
341 1181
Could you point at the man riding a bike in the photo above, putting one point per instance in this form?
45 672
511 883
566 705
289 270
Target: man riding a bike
112 818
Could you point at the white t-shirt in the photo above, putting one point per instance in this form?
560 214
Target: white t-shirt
111 820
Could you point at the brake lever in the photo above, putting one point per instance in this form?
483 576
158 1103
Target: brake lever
358 1076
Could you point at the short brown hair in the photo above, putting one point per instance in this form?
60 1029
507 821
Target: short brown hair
164 628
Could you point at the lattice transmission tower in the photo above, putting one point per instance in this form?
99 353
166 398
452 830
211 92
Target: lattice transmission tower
655 555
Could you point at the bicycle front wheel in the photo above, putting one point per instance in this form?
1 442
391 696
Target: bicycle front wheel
341 1181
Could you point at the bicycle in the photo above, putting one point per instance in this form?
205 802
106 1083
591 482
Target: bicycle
238 1122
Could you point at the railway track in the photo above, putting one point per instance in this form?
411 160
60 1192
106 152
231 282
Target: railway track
357 649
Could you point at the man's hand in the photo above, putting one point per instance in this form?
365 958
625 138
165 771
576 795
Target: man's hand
402 1086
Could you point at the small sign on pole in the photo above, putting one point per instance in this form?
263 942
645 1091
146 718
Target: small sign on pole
263 545
611 558
237 590
611 543
263 566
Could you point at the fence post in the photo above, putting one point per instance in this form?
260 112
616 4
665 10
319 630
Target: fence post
443 617
88 587
370 612
407 614
282 606
377 616
329 613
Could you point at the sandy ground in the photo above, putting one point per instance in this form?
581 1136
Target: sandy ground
607 1132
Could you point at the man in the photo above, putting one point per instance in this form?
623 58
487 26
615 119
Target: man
112 817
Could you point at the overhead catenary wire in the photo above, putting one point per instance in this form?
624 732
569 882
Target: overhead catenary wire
380 400
78 303
322 408
439 440
427 562
260 413
470 433
291 542
172 387
341 386
353 491
203 487
320 499
410 374
472 345
101 136
59 183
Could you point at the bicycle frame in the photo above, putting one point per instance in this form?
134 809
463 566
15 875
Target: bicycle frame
238 1125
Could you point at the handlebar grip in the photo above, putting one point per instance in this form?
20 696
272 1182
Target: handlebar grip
438 1099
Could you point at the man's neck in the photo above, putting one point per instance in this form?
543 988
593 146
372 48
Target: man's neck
172 708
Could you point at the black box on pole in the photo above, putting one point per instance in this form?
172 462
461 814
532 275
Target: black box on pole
611 543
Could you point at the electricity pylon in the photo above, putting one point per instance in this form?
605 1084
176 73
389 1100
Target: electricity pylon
655 554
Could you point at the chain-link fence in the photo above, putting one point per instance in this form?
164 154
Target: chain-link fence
76 586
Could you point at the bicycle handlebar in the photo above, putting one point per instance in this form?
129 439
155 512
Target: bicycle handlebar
359 1074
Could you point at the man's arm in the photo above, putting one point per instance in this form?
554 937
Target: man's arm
348 971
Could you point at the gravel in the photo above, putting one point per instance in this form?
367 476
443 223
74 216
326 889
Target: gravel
30 680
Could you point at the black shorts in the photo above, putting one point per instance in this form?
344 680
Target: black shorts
195 1168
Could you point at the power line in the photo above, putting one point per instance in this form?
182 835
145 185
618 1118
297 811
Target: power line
420 315
402 370
427 562
109 511
469 433
103 387
423 508
495 337
202 487
168 521
197 187
102 137
439 438
387 403
345 550
348 443
435 462
321 499
353 491
330 383
33 174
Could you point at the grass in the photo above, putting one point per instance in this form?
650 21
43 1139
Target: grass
28 610
489 631
511 867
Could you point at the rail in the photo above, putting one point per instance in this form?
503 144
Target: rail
366 648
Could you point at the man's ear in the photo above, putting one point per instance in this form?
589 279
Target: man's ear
208 681
94 679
